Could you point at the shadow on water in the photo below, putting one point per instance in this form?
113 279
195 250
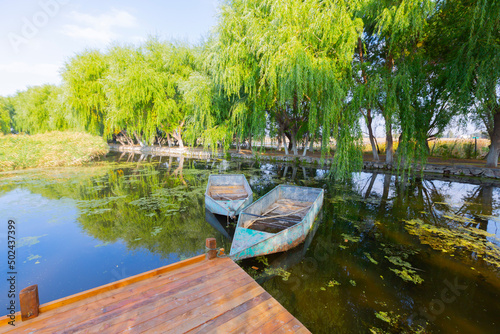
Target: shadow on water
386 255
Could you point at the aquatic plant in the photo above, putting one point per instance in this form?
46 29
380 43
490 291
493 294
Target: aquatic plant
457 239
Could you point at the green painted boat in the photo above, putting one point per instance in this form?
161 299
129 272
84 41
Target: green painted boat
278 221
227 194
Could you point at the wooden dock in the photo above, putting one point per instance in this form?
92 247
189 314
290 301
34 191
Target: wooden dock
192 296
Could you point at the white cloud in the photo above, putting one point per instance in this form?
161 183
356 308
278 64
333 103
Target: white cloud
99 28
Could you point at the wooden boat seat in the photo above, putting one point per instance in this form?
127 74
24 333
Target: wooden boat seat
227 193
280 215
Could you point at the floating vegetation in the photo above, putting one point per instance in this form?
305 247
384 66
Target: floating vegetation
153 203
281 272
156 231
408 275
488 217
103 244
369 257
383 316
95 206
460 238
263 260
29 241
353 282
406 271
33 257
332 283
351 238
395 323
459 219
337 199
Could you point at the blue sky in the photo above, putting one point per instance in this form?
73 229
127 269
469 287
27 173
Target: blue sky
38 36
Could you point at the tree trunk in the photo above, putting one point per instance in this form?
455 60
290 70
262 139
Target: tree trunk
294 144
289 136
138 139
311 145
285 145
280 136
369 121
389 149
237 144
177 135
305 147
492 157
250 142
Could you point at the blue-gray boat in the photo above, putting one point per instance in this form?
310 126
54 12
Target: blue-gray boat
278 221
227 194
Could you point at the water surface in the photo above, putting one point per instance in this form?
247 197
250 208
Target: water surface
384 256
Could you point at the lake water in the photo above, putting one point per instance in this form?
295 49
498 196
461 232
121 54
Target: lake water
384 256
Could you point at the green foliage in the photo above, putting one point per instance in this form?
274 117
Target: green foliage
40 109
290 59
6 111
83 77
143 89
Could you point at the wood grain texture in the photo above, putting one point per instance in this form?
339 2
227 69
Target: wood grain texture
195 296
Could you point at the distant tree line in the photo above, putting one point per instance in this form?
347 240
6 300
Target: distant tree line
300 71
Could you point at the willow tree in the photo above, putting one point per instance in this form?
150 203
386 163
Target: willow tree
6 112
83 78
467 40
394 34
39 109
143 91
290 57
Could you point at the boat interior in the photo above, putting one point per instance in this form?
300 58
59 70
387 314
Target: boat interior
280 215
227 192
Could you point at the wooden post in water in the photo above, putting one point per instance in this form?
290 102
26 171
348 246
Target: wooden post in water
211 245
28 298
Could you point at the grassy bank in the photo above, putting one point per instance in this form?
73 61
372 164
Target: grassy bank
52 149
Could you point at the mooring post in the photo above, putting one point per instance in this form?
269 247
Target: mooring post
211 245
29 302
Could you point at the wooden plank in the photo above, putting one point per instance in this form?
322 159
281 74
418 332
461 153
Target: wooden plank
277 321
251 319
240 322
192 317
139 320
294 326
134 302
181 273
231 314
145 308
200 297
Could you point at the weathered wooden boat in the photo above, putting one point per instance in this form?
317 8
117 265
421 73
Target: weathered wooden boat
278 221
282 262
227 194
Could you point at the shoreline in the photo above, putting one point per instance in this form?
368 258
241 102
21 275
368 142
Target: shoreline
454 170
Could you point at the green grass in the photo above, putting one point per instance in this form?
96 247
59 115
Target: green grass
51 149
